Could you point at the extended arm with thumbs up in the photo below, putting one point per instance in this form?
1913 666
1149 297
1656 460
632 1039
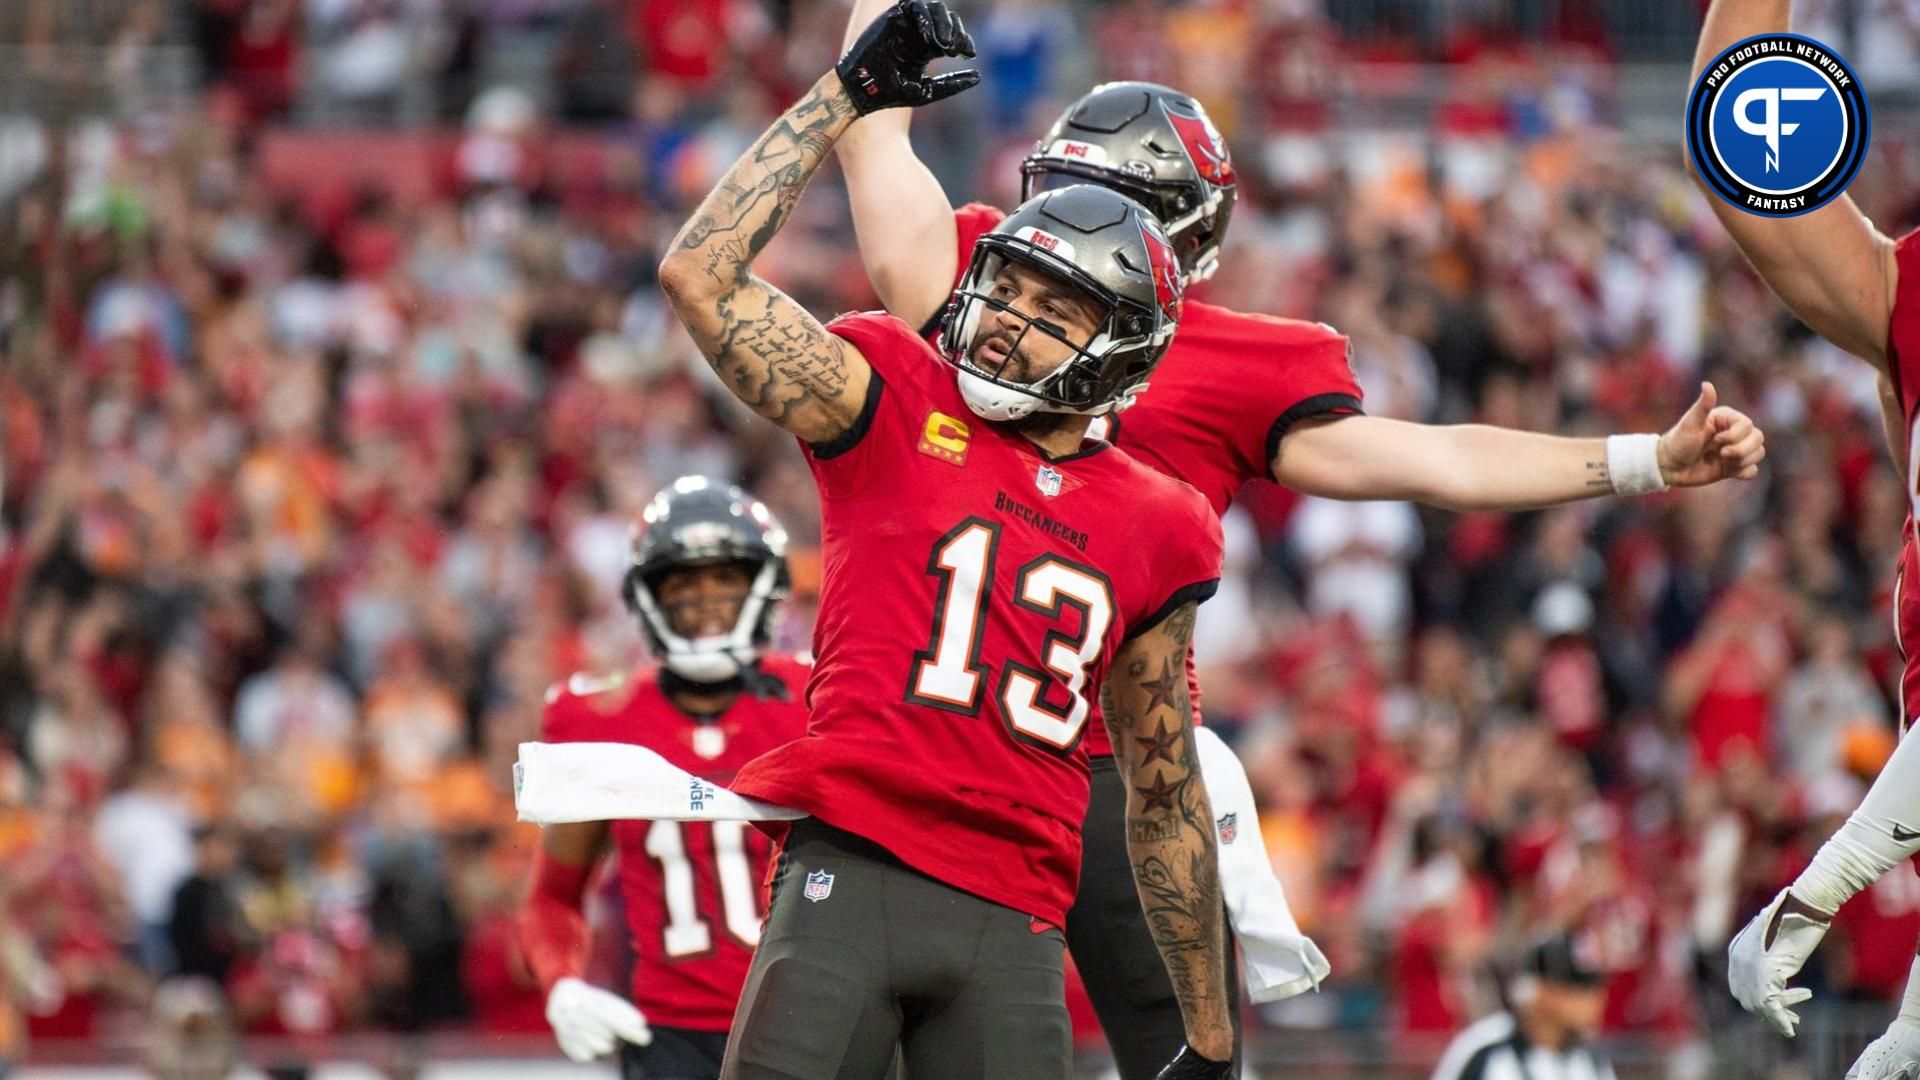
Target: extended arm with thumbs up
1710 443
1480 467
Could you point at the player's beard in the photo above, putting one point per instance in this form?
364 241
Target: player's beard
1015 364
1039 425
1034 425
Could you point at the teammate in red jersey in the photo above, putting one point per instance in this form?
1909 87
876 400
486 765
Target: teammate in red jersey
708 569
985 567
1239 397
1860 289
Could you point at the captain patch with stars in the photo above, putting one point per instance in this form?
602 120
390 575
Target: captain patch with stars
1777 125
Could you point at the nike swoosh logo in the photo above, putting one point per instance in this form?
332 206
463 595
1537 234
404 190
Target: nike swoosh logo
1901 836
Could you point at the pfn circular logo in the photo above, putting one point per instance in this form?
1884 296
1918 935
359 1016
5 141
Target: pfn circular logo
1777 125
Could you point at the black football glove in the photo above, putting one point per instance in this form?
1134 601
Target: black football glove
887 67
1189 1065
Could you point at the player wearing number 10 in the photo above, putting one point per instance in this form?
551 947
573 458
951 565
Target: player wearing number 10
985 567
707 568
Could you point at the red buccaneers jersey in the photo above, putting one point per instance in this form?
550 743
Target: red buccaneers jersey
973 594
1229 388
691 888
1903 367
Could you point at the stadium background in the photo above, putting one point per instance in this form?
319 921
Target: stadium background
332 370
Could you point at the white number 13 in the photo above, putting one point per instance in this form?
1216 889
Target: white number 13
948 673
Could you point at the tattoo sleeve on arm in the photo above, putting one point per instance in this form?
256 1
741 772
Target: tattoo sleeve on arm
1170 824
773 354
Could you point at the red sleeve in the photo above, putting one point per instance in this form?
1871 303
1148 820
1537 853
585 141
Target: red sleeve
900 360
1903 328
1305 372
1191 553
553 925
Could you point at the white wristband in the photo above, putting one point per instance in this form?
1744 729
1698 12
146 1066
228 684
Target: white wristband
1633 464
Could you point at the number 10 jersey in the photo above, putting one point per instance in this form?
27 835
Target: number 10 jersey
692 889
974 592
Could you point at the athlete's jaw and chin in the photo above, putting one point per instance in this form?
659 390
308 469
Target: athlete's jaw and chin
1003 352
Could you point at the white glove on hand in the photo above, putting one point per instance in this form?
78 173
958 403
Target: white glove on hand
1757 972
588 1021
1893 1056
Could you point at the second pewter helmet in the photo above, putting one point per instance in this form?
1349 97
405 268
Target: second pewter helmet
1154 144
1108 248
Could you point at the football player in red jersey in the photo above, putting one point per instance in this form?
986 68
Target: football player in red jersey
1239 397
1860 289
985 566
707 571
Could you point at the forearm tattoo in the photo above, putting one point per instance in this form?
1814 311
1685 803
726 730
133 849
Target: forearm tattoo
767 349
1597 474
1170 823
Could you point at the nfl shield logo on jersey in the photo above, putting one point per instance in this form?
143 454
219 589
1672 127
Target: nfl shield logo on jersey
1047 480
1229 827
819 886
709 741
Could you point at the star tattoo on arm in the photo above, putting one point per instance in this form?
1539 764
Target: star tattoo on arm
1161 691
1170 821
1159 745
1161 795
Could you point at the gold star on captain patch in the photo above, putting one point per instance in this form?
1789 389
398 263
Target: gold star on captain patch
1160 795
1159 745
1164 687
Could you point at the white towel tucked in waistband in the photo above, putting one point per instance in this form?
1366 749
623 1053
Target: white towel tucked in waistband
1280 960
561 782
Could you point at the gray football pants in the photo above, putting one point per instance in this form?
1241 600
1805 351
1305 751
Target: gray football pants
887 957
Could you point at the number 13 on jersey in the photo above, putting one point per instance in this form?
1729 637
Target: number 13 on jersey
950 674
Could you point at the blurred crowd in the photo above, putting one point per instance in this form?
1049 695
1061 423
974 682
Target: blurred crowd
313 477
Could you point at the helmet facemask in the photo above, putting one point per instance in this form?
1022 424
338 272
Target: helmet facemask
709 658
1101 375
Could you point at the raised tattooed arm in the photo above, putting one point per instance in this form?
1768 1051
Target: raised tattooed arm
1170 824
770 351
